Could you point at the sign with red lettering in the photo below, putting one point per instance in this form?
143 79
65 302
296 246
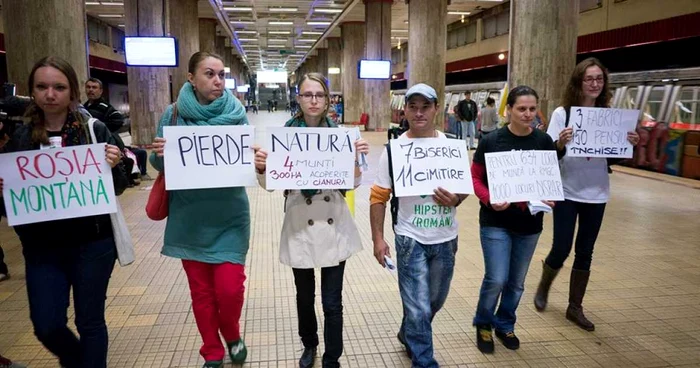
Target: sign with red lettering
56 184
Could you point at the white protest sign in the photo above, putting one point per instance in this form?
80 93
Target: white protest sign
310 158
521 176
421 165
56 184
601 132
198 157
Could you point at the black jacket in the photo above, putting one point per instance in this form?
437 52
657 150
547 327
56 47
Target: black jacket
74 231
106 113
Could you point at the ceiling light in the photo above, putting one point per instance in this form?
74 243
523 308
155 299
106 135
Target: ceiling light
110 3
276 40
248 39
305 40
311 33
327 10
242 21
280 23
458 13
109 15
283 9
92 3
238 8
120 25
279 32
333 70
318 23
303 46
227 69
301 52
400 30
246 32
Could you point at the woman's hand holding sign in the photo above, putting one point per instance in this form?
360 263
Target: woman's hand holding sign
565 137
112 155
260 159
633 138
159 146
361 146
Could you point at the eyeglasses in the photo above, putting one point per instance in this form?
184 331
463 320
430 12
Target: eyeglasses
310 96
590 80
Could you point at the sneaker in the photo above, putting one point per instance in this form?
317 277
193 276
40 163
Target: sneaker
3 277
509 340
146 177
213 364
402 340
484 339
237 351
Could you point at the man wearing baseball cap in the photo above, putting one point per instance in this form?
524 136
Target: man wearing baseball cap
425 240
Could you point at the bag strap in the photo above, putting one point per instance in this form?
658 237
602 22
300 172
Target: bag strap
91 127
568 115
394 202
173 119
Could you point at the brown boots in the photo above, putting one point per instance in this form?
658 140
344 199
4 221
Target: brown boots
548 275
577 290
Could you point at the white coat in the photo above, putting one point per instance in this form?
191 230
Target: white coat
317 231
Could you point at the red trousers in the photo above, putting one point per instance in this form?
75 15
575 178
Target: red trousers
217 300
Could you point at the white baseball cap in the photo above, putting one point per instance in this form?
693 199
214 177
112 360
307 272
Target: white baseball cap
422 89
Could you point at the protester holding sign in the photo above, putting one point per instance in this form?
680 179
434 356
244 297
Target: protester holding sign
318 232
425 230
509 231
76 252
586 191
209 229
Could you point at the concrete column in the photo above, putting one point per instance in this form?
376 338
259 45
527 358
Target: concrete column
322 61
148 87
184 25
427 46
34 29
207 35
220 45
353 39
378 47
543 62
334 60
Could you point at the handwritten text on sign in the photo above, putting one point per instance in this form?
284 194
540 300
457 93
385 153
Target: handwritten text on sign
422 165
521 176
601 132
198 157
57 184
310 158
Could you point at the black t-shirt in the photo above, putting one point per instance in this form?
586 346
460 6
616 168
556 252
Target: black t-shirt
513 218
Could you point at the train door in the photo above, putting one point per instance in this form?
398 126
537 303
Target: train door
684 137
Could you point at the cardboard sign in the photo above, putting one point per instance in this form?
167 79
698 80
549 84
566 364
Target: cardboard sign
58 183
421 165
310 158
200 157
521 176
601 132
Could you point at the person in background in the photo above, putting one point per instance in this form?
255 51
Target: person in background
509 232
425 255
77 253
586 192
209 229
4 271
489 117
318 232
466 111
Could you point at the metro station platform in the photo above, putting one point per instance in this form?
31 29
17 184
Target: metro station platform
643 297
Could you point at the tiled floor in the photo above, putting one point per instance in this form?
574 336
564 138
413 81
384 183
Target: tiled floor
643 297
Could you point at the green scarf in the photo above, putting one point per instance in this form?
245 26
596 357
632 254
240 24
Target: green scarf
225 110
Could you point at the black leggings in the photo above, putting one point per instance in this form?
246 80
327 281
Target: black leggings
590 216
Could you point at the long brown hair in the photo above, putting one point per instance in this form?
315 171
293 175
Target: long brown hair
316 77
198 57
574 90
35 113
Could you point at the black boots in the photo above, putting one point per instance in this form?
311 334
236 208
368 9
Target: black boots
307 358
577 289
548 275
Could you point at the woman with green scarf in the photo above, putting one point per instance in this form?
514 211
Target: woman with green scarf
209 229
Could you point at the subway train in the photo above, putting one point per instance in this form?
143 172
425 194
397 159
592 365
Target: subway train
669 122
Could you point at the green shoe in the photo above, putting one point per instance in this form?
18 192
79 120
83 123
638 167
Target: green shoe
237 351
214 364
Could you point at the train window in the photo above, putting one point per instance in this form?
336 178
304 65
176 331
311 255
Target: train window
628 101
503 23
470 35
489 25
653 106
586 5
461 36
685 109
452 39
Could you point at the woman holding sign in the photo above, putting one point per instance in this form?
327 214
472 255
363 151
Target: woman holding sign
209 229
318 232
586 191
77 253
509 231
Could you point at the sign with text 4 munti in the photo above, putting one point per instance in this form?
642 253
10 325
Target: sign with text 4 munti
58 183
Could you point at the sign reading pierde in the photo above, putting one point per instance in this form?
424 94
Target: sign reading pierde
421 165
200 157
521 176
59 183
310 158
601 132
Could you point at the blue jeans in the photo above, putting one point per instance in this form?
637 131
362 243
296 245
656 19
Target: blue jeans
51 271
507 256
468 129
425 273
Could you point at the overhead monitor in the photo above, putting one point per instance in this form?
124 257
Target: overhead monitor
151 51
229 83
242 89
271 76
374 69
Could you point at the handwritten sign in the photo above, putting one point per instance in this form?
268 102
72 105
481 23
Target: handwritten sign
199 157
310 158
601 132
521 176
56 184
421 165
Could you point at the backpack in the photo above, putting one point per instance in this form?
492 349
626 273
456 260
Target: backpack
394 201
